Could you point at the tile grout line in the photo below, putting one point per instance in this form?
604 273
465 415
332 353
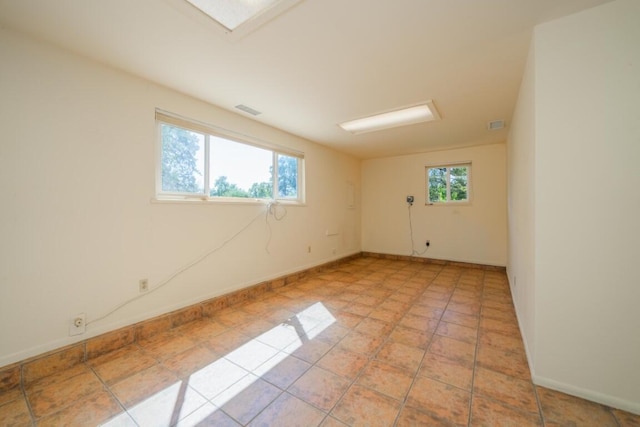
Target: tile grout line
475 357
23 390
353 382
374 358
417 374
112 394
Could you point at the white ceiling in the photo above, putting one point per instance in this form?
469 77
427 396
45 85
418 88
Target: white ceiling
321 62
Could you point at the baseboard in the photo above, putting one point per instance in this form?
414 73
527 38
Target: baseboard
614 402
51 360
436 261
594 396
43 364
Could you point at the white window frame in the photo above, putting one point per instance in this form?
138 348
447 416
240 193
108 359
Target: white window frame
165 118
448 167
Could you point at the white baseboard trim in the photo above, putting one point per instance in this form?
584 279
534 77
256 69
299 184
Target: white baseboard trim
594 396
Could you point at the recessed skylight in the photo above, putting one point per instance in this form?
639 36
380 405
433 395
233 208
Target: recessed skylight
233 13
407 116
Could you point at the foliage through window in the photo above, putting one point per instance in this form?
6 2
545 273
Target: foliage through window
197 162
448 183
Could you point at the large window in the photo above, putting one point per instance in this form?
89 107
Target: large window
448 183
198 161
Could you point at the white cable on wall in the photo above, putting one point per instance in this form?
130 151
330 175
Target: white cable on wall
271 210
413 250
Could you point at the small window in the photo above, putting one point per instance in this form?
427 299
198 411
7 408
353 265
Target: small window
448 184
198 162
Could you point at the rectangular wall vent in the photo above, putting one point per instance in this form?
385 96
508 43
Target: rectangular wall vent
495 125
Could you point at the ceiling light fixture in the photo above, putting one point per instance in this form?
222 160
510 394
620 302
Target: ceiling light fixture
248 109
424 112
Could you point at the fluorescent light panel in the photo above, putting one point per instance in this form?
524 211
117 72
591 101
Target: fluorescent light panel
407 116
233 13
248 109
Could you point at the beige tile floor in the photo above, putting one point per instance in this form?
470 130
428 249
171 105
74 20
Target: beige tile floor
371 342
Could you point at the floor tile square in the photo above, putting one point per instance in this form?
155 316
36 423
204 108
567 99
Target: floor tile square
389 316
569 410
15 413
363 407
57 396
458 332
251 355
167 405
361 343
421 323
508 390
92 410
626 419
208 415
468 320
411 417
138 387
507 362
216 377
191 360
442 400
447 371
123 363
309 351
426 311
282 370
288 410
488 412
452 349
246 398
386 379
401 356
320 388
374 327
411 337
342 362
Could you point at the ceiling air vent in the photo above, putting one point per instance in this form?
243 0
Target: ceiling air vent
495 125
248 109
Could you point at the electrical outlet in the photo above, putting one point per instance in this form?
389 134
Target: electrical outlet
410 200
143 284
78 325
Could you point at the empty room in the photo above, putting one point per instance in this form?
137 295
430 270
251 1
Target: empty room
319 213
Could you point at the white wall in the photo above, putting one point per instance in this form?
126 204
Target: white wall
586 209
77 223
476 232
521 204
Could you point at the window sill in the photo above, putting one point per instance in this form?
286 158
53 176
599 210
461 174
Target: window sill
450 204
222 201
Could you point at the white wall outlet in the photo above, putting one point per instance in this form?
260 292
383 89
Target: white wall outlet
78 325
143 285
